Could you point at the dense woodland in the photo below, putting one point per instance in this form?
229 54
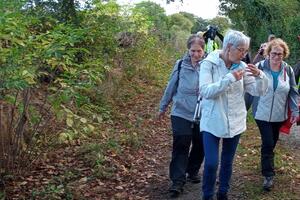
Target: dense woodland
68 67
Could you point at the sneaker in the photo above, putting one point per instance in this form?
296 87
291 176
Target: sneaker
222 196
175 190
194 179
268 183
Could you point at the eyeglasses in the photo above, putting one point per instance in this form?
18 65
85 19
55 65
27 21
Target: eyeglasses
273 54
243 51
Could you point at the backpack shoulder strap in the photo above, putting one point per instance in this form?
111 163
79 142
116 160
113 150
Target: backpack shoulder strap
179 68
288 71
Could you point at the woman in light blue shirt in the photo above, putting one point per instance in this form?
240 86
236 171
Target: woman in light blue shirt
270 110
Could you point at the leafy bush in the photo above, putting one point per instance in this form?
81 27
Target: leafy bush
74 68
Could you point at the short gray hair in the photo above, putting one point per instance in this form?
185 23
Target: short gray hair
194 38
235 38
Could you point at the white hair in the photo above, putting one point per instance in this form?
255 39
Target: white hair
236 38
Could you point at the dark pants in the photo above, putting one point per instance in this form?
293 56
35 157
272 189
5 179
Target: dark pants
185 160
211 149
248 100
269 132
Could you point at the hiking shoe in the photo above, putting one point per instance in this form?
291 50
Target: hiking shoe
175 190
174 194
222 196
194 179
268 183
207 198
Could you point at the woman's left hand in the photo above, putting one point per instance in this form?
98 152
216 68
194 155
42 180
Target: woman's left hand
252 70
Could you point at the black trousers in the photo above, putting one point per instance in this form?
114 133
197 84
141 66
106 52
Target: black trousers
187 153
269 132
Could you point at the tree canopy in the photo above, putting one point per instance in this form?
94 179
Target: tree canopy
260 18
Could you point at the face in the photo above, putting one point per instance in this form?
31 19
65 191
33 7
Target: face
236 54
196 52
263 46
276 55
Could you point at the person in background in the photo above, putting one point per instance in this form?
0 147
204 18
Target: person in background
270 110
247 58
296 69
297 77
183 91
223 80
260 54
209 37
248 98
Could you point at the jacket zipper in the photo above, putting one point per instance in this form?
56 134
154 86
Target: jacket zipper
272 107
227 108
273 97
227 114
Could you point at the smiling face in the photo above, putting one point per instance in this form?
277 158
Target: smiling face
276 55
277 50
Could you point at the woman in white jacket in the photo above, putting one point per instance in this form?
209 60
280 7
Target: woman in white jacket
270 110
224 79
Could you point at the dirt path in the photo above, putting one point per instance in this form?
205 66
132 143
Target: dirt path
140 170
245 182
293 140
191 191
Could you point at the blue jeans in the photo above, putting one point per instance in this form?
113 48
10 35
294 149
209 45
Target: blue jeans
211 150
185 160
269 132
